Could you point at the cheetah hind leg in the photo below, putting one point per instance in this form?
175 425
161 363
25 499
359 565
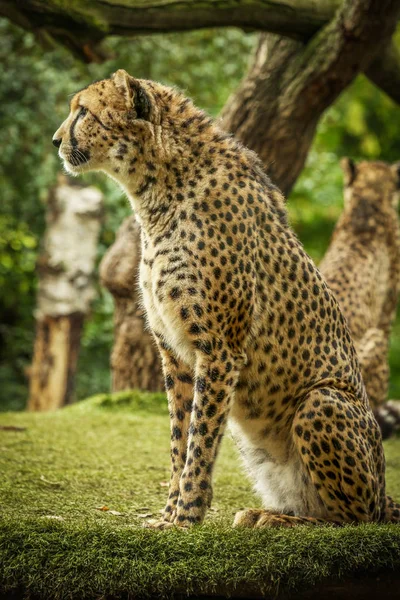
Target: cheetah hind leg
338 442
258 518
392 511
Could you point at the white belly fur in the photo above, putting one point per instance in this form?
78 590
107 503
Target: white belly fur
281 482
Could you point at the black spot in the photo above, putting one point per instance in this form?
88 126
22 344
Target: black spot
197 452
185 378
315 449
220 396
169 382
201 384
195 329
325 447
176 433
203 429
299 430
209 442
175 293
211 410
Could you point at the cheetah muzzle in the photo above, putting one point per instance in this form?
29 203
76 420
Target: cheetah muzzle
246 325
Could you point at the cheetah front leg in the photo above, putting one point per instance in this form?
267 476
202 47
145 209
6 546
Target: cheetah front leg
179 387
215 381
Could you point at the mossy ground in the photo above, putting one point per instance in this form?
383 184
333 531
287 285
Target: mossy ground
112 451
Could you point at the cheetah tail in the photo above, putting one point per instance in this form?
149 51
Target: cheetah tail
392 511
388 418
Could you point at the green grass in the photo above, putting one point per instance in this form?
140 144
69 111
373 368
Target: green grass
113 451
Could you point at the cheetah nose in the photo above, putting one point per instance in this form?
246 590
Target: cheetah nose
57 142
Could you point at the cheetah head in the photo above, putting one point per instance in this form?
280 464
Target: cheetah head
103 118
373 184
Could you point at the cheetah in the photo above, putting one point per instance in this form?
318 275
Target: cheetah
362 268
246 326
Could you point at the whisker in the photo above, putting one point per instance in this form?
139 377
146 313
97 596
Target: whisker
81 155
74 155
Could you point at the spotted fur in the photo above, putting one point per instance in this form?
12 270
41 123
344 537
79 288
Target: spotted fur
245 323
362 267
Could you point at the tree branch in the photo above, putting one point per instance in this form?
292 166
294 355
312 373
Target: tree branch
294 18
384 71
290 84
82 26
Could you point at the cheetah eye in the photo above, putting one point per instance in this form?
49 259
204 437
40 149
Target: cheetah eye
82 112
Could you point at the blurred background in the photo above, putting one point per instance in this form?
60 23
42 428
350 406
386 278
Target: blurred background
34 91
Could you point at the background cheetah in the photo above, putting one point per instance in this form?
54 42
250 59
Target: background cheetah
245 323
362 267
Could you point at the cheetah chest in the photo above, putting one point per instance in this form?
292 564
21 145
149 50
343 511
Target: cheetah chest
156 283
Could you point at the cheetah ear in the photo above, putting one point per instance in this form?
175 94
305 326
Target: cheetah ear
142 102
349 170
121 81
395 168
135 96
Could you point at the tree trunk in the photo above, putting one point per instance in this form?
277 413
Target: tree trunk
54 364
262 112
135 362
276 109
65 268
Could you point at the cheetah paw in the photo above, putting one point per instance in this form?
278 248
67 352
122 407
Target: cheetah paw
246 518
158 524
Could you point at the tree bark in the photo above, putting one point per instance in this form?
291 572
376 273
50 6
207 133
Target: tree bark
81 26
65 291
92 20
135 361
55 357
276 109
384 71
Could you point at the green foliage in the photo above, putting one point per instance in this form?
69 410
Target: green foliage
17 258
18 251
113 451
